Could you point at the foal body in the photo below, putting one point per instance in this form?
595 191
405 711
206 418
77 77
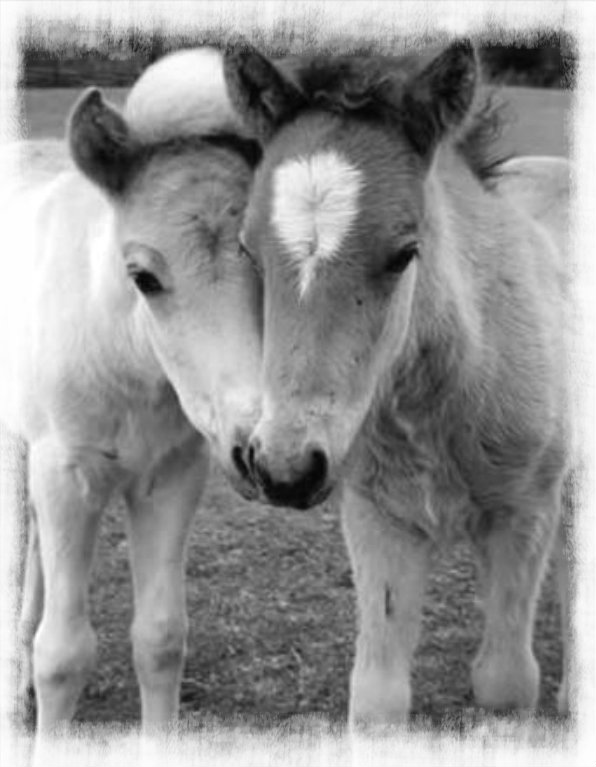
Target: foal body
96 429
133 348
415 346
479 464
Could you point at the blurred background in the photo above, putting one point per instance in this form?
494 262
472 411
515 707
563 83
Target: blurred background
66 54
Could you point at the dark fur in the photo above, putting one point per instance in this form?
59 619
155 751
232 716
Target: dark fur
248 149
426 101
100 142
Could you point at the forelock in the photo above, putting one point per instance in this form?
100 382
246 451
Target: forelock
314 207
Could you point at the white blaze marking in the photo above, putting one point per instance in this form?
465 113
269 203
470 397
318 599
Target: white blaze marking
315 202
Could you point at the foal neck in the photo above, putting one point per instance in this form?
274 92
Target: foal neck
448 306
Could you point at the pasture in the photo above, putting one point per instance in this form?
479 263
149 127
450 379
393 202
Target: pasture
270 595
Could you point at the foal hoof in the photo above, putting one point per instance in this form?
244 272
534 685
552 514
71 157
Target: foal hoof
379 699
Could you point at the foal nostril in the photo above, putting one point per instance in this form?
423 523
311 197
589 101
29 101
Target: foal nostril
251 459
317 471
239 462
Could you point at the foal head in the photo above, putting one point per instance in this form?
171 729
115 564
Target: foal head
337 222
177 206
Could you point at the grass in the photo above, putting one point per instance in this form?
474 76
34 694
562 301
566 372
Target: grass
272 622
270 595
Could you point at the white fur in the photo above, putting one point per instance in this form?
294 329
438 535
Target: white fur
315 204
182 93
110 397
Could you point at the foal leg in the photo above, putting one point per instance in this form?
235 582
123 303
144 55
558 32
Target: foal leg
563 583
32 593
390 570
514 555
159 523
69 496
31 610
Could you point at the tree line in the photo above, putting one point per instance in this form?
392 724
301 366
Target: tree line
116 59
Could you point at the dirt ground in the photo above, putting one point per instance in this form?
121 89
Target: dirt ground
270 595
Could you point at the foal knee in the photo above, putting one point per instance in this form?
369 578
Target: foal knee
62 658
159 647
26 634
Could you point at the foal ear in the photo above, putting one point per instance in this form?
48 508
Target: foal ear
438 99
100 142
261 94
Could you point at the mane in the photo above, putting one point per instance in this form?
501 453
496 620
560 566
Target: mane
181 103
479 143
182 94
372 88
248 149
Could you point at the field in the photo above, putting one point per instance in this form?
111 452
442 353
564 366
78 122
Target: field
270 596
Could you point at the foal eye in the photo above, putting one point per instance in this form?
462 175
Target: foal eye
146 282
399 260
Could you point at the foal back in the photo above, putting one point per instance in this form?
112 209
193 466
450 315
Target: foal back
542 186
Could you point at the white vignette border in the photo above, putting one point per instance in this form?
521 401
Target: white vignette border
519 745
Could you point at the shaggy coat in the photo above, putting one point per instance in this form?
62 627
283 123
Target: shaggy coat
131 345
415 349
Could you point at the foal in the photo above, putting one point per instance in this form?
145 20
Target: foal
414 344
133 345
